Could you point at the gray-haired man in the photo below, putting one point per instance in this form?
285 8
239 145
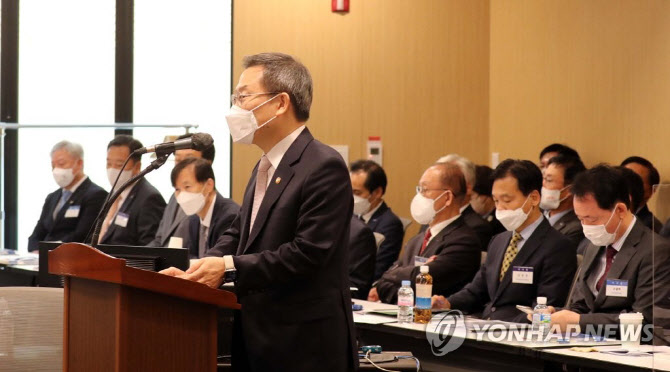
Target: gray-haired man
68 212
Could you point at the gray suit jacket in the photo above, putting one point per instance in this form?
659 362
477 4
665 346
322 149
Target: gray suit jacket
570 226
174 223
633 263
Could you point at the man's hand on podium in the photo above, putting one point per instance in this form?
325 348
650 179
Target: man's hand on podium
208 270
172 271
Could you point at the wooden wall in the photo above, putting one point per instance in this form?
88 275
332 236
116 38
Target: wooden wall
473 77
594 74
414 72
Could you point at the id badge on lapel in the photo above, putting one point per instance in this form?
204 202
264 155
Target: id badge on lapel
72 211
522 275
616 288
121 219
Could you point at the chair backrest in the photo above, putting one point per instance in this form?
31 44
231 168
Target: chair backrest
31 328
379 239
405 223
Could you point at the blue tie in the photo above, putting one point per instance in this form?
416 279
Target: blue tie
63 199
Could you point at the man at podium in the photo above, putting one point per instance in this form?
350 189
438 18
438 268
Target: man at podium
287 248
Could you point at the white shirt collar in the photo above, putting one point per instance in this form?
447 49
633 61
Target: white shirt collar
528 231
464 207
74 188
366 217
619 243
208 217
125 193
277 152
438 227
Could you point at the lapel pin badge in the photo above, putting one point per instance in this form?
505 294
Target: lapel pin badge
277 180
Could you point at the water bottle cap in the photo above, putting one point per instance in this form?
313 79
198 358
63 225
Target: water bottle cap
424 269
541 300
406 283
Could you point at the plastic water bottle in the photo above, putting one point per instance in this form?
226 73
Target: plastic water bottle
424 291
405 303
541 318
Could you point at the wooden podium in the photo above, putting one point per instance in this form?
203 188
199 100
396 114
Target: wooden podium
119 318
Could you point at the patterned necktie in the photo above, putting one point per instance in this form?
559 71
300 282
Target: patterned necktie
261 185
63 199
202 240
426 238
611 252
510 253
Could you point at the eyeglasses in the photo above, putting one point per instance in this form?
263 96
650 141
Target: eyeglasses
236 98
422 190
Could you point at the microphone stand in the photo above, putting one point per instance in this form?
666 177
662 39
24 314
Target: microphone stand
160 160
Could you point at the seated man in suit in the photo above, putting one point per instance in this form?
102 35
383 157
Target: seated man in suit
530 260
483 229
450 247
362 257
556 200
650 177
617 273
635 193
482 200
174 222
553 150
134 217
210 214
368 181
69 212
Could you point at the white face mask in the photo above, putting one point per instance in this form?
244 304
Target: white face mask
422 208
63 176
361 205
191 202
551 199
512 219
112 173
598 234
242 123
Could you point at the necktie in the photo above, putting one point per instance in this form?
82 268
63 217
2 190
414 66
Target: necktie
202 240
110 215
261 185
426 238
63 199
611 252
510 253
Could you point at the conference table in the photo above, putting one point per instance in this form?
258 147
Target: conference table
486 351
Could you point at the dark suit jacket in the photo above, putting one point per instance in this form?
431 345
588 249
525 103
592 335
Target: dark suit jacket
173 223
648 219
362 254
385 222
482 227
495 224
458 258
88 196
570 226
548 252
225 211
633 263
292 276
144 207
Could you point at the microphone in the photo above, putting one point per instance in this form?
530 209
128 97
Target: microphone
198 141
